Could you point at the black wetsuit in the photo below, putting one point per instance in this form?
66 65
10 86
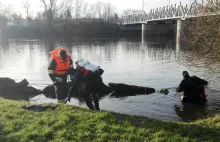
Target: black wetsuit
191 86
89 87
91 93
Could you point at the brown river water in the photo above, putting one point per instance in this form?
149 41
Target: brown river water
153 62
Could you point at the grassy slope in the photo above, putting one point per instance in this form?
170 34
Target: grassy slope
69 123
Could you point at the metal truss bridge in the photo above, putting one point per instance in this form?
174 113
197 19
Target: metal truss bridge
174 12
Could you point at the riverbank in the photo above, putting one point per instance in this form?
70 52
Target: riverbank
21 122
60 28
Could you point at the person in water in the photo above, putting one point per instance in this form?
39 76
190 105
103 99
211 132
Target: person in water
193 88
58 70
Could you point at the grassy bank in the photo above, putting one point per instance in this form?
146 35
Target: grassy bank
69 123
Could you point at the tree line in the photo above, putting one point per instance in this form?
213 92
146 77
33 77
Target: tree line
61 9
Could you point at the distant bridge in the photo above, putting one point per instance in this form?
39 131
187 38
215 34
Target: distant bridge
175 12
172 12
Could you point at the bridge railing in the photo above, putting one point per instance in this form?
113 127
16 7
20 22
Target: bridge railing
195 9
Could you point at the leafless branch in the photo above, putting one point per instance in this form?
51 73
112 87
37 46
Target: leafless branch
26 5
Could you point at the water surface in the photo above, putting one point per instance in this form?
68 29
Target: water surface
154 62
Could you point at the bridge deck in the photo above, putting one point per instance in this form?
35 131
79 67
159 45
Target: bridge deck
173 12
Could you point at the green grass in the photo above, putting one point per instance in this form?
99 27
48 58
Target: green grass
69 123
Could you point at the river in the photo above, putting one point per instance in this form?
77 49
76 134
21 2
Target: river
153 62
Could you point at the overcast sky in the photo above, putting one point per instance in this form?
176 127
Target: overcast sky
120 5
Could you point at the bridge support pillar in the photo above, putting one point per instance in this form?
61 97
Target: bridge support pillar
143 30
178 32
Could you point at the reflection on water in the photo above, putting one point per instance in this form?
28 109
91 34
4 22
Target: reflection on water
153 62
191 111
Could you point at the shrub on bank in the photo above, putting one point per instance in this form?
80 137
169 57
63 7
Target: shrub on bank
201 39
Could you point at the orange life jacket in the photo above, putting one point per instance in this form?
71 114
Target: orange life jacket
62 66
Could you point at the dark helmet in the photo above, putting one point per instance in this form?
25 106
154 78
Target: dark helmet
185 74
63 54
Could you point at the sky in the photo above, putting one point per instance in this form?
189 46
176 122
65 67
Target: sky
120 5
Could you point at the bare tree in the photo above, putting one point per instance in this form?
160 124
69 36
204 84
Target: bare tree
126 12
99 8
51 7
16 16
92 10
26 5
201 37
67 9
108 11
39 16
78 7
68 14
7 11
85 9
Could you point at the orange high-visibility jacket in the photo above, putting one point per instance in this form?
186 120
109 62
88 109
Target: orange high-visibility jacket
62 66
